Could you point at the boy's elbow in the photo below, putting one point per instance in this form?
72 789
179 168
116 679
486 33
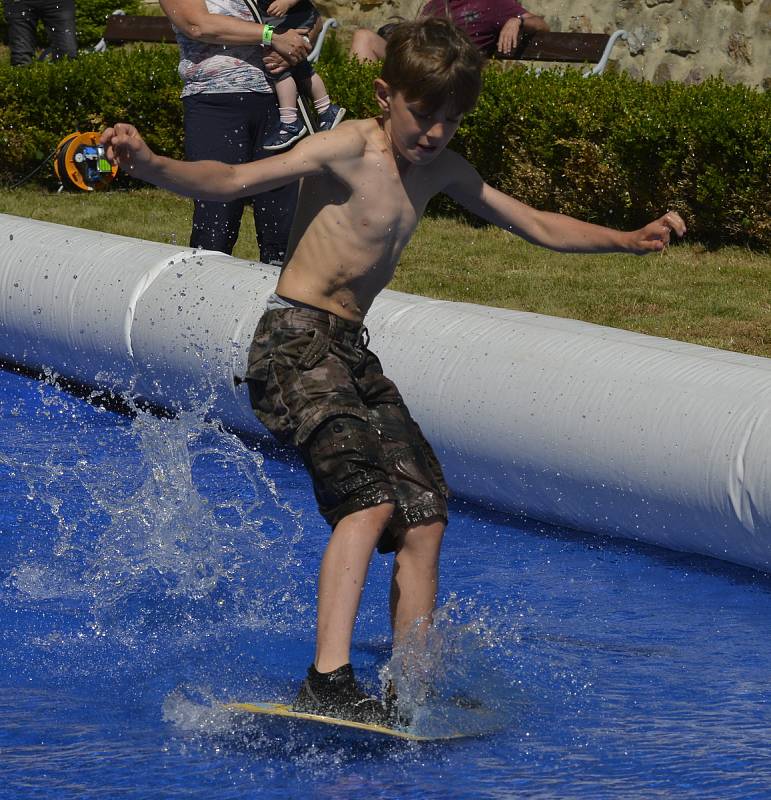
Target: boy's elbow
217 186
234 187
220 193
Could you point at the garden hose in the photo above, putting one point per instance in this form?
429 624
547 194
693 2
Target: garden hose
34 171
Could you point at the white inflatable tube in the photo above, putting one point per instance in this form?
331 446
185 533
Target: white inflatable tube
593 428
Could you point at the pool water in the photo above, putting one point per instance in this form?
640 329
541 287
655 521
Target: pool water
152 568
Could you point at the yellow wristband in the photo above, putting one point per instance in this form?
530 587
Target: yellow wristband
267 34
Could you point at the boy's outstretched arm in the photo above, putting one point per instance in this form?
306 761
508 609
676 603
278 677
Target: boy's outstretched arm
555 231
210 180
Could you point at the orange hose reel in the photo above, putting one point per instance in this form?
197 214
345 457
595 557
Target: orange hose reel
80 163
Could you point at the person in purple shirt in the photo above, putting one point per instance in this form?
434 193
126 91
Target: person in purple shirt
493 26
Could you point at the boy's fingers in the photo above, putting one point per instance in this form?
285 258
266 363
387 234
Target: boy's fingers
124 129
674 222
661 234
654 237
119 129
658 234
655 242
106 140
117 142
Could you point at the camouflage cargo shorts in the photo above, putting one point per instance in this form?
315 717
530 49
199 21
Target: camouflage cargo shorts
313 382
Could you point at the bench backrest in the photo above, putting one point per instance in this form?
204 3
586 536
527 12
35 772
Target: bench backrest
551 46
128 28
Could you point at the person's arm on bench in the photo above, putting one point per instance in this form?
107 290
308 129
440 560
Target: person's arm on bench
515 26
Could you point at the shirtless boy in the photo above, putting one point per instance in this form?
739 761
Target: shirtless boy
312 379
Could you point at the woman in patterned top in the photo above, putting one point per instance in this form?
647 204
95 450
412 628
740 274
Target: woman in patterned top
229 105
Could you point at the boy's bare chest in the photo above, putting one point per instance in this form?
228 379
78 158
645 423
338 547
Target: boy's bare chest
384 203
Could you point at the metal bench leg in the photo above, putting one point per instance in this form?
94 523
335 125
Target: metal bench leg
599 67
101 45
314 54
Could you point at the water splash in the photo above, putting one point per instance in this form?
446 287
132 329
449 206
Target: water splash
168 525
201 721
455 676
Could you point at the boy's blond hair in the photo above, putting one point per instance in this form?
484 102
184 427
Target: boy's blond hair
434 62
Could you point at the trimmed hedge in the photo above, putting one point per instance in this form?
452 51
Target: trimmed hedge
607 149
617 151
42 103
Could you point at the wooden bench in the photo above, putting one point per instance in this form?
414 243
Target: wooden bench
576 48
122 28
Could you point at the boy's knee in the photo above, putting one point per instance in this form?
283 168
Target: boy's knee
373 518
424 538
383 512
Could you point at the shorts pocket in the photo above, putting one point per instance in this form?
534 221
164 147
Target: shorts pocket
314 351
258 362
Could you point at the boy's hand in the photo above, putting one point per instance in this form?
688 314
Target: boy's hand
655 236
125 147
279 8
292 45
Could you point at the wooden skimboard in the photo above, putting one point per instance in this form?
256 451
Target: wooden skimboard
284 710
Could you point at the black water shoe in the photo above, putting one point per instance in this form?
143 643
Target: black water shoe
336 694
397 716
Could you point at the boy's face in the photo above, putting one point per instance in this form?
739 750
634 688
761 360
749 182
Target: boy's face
417 134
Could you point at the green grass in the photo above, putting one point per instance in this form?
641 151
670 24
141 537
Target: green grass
717 298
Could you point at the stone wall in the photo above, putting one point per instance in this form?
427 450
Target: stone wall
682 40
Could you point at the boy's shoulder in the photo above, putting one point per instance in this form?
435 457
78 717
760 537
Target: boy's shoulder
363 129
350 138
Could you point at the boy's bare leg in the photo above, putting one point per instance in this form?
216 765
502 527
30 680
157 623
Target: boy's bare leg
415 579
341 581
